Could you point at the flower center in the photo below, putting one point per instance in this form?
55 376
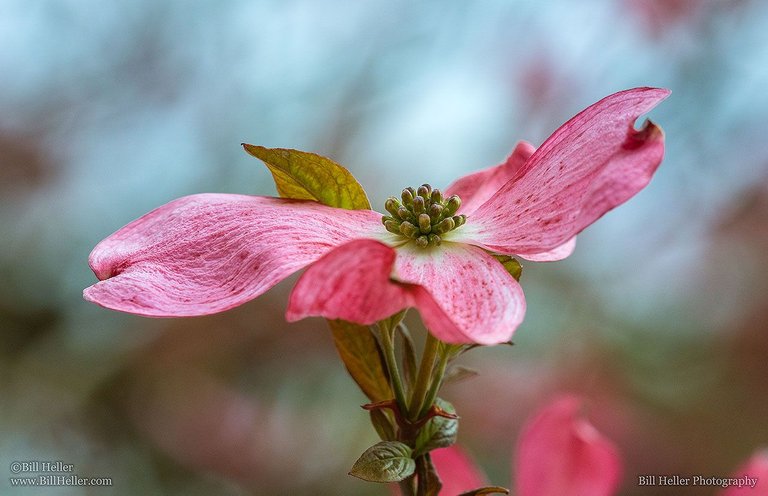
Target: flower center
423 215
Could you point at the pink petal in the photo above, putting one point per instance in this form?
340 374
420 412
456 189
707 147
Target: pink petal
561 454
755 468
456 471
591 164
475 189
207 253
352 282
473 288
462 294
553 255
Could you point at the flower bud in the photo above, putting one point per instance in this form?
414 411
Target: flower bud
434 240
437 196
435 211
422 241
418 205
409 230
425 223
459 220
453 204
407 196
445 225
403 213
392 205
392 226
425 191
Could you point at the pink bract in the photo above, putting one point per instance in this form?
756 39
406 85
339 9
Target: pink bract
560 453
207 253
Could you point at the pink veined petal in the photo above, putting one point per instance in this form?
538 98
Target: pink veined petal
553 255
457 472
755 468
354 282
462 294
561 454
207 253
476 188
591 164
351 283
470 286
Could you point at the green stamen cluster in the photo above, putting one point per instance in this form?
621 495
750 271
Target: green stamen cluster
423 215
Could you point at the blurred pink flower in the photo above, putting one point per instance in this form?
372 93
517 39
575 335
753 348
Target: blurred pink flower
662 15
456 470
755 467
559 454
206 253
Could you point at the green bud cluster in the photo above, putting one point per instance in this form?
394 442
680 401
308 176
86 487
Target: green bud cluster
423 215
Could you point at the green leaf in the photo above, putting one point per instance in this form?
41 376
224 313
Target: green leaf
486 490
511 265
459 373
308 176
383 425
360 353
438 432
387 461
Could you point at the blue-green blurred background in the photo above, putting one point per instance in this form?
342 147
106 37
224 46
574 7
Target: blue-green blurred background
109 109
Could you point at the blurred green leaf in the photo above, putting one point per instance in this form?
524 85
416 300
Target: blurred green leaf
458 373
383 425
511 264
360 353
409 355
438 432
308 176
387 461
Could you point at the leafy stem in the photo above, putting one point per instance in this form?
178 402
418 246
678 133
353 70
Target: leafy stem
406 486
437 381
424 377
422 422
388 327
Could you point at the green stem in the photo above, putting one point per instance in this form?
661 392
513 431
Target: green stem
388 343
437 381
406 486
424 376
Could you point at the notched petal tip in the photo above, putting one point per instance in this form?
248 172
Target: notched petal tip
649 132
591 164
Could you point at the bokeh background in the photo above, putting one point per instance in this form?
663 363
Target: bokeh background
109 109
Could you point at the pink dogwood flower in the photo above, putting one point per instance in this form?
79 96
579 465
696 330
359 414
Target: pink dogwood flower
207 253
559 453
